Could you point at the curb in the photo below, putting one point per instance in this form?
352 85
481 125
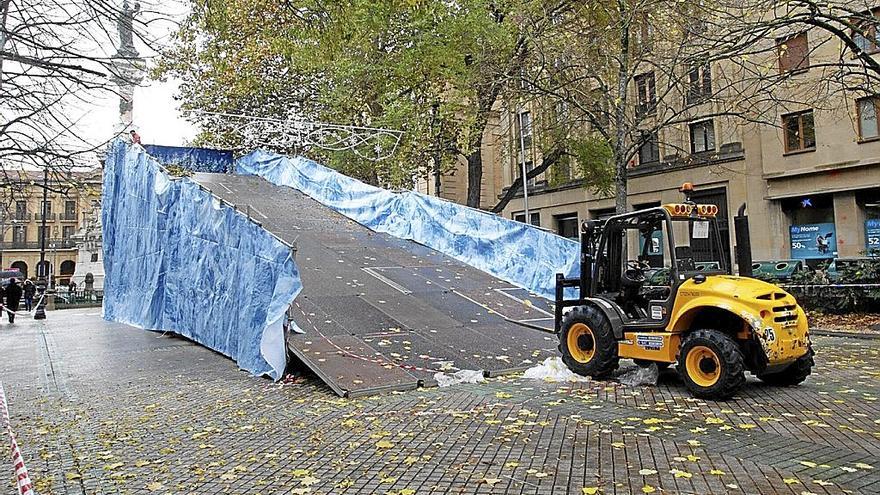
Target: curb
851 335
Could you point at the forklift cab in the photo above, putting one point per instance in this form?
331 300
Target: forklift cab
667 245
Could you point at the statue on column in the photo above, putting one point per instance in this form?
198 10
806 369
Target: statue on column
125 26
129 66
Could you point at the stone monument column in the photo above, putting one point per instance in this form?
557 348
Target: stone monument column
129 65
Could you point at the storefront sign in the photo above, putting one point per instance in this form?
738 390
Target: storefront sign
872 234
814 240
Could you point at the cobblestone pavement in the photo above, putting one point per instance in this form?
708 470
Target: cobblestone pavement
104 408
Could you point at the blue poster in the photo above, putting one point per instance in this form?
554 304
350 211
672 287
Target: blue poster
872 235
813 241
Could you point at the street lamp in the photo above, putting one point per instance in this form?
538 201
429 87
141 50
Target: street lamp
525 183
40 313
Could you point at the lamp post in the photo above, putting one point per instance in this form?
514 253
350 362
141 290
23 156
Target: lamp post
40 312
522 148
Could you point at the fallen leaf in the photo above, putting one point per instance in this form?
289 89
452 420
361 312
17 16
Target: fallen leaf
590 490
808 463
155 486
73 476
717 472
308 481
648 489
490 481
678 473
388 480
384 444
791 481
647 472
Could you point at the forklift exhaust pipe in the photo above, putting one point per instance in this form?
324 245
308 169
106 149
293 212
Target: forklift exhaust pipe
743 242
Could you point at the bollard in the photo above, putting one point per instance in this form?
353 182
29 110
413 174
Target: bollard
40 312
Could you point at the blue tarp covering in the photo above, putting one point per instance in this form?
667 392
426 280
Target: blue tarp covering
195 159
177 260
512 251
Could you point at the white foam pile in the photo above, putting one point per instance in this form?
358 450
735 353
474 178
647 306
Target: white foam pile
463 376
553 370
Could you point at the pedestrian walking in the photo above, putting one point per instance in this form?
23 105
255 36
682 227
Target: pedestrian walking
13 297
30 290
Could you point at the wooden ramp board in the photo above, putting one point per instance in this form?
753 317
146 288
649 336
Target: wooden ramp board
381 313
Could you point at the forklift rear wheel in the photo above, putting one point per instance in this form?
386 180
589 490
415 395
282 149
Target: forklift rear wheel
711 364
794 374
587 342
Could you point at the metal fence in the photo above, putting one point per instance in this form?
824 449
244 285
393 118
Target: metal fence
77 299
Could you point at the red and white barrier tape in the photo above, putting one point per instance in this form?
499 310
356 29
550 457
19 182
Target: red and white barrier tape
22 480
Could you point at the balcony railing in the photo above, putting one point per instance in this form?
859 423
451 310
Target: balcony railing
19 216
50 244
39 217
67 217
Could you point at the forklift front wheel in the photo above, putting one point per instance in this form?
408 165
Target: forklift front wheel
587 342
711 364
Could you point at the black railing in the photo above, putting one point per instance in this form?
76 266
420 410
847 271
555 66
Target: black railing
39 216
67 217
50 244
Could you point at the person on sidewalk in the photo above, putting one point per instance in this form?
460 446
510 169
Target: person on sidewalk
13 297
30 290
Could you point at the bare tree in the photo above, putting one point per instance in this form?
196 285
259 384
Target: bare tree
57 57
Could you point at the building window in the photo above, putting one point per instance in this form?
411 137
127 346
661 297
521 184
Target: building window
524 131
867 37
19 234
699 84
45 208
793 53
867 108
21 210
567 225
647 94
70 210
67 232
535 217
702 136
649 151
800 134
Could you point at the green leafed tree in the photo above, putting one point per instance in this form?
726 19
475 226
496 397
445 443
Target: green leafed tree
432 69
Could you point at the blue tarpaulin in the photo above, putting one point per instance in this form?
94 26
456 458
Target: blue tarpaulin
195 159
512 251
177 260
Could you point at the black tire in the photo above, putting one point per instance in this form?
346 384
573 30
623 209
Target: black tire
642 363
600 344
716 369
794 374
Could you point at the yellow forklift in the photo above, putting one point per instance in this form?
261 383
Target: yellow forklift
714 325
